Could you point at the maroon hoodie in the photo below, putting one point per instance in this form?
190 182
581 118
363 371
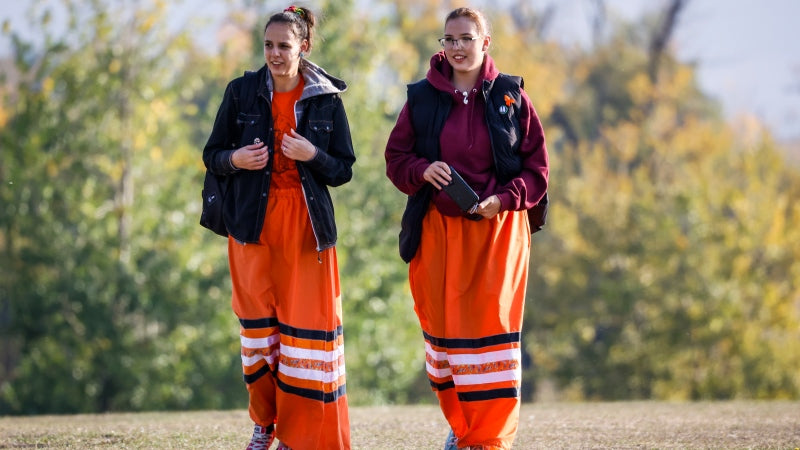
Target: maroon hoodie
465 145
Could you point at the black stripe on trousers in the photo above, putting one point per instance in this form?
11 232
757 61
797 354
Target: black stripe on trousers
505 338
313 394
477 395
488 395
269 322
253 377
442 386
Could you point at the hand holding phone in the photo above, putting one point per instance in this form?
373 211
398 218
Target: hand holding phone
461 193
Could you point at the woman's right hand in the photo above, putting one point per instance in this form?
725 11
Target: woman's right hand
251 157
437 174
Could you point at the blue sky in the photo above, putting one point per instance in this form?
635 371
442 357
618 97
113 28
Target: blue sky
747 52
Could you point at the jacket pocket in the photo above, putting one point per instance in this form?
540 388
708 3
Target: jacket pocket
320 133
249 128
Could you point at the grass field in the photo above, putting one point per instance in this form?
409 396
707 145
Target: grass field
622 425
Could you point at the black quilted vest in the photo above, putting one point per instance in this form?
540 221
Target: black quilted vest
429 108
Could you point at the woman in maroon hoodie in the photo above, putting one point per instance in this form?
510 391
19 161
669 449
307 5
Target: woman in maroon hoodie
468 265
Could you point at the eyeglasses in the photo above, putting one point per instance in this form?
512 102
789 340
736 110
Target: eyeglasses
463 42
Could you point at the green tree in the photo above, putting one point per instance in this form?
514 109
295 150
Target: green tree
669 267
662 276
111 293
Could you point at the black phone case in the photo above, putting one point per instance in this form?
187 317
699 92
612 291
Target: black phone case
460 192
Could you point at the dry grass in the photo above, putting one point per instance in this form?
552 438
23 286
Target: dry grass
623 425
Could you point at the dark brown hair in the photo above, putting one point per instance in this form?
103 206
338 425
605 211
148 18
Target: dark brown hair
301 19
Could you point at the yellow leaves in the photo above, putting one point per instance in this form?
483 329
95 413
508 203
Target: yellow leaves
640 88
623 140
587 332
681 242
191 110
52 169
114 66
156 154
147 24
47 86
777 230
148 18
158 108
683 79
140 141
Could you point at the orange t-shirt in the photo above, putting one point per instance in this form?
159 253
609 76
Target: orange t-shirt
284 170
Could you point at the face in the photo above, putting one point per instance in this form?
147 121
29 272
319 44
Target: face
282 50
469 57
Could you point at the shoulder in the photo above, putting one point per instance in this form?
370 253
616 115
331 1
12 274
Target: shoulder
506 80
249 79
422 86
325 106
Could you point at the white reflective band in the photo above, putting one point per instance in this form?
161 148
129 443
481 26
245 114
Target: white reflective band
317 355
486 378
260 342
313 375
438 356
438 373
482 358
250 360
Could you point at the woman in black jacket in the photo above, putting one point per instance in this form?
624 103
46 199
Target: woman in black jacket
281 137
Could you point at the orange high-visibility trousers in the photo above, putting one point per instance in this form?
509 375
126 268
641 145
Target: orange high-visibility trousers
287 298
468 280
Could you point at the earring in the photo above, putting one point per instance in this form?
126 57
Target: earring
302 54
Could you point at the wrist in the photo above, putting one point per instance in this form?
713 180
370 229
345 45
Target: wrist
230 161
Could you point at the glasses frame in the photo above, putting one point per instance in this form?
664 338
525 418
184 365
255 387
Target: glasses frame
463 42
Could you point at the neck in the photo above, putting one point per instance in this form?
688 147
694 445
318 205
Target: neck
465 81
285 83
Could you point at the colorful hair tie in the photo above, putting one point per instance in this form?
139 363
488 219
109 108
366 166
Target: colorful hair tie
296 10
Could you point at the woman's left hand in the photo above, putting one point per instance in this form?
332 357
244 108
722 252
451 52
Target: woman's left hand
297 147
489 207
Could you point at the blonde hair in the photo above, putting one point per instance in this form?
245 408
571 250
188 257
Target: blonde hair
473 15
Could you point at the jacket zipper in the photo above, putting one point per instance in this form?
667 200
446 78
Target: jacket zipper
303 176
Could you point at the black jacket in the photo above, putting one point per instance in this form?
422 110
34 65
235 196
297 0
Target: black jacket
321 119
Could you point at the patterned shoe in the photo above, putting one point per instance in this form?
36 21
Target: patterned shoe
451 443
282 446
262 438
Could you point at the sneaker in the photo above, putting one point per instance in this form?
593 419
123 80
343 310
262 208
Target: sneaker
282 446
262 438
451 443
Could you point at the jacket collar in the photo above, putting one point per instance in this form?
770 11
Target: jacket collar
317 81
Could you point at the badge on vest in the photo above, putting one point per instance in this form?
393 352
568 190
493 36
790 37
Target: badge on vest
503 109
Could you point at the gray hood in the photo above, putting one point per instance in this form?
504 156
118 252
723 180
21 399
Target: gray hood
317 81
